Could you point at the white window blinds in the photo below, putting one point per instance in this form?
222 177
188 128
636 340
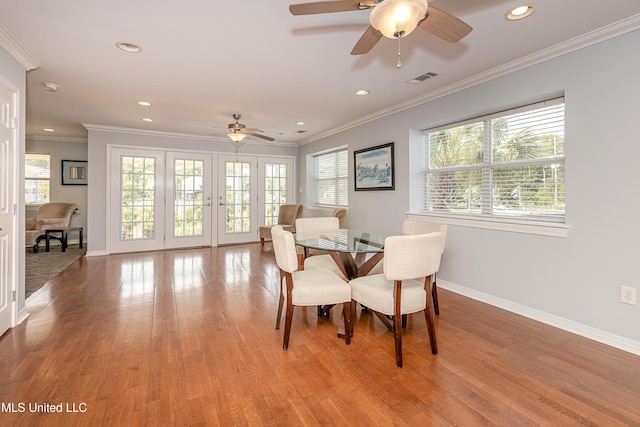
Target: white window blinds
37 174
332 178
508 164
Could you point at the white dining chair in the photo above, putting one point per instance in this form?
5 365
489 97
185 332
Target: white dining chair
399 291
316 226
413 227
317 287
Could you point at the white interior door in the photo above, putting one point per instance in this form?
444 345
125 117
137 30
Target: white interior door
237 199
8 259
137 200
188 201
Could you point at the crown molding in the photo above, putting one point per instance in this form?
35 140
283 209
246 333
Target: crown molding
57 139
19 54
605 33
134 131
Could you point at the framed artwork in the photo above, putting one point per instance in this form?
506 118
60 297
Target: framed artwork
74 172
374 168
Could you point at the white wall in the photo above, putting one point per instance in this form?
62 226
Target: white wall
100 138
64 150
574 280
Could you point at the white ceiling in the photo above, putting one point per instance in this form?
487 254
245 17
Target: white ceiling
205 60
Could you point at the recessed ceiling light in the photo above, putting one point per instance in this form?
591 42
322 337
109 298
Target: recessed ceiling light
51 87
129 47
146 119
48 130
362 92
519 12
144 103
300 123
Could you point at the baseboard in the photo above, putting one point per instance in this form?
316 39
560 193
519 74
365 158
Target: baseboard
598 335
22 316
96 253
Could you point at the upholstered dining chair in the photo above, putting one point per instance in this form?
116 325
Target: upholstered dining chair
306 287
341 214
317 259
414 226
398 292
287 215
49 216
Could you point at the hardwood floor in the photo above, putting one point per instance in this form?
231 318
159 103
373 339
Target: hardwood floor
187 338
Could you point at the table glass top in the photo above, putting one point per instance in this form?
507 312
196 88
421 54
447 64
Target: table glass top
345 240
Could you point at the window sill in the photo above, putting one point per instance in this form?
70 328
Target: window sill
517 226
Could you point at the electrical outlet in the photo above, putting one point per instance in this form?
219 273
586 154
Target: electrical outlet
628 295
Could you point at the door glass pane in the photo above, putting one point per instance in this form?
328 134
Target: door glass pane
137 197
275 187
238 197
188 200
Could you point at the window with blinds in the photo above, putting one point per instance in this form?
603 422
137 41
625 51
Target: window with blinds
508 164
332 178
37 175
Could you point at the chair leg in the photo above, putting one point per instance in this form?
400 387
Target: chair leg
287 325
428 314
404 320
434 294
397 324
280 304
347 321
262 241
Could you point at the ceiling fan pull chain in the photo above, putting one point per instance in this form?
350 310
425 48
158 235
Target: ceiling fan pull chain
399 64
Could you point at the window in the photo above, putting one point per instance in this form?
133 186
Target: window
37 174
509 165
331 177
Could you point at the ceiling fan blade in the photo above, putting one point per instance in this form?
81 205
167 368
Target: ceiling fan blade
444 25
324 7
367 41
268 138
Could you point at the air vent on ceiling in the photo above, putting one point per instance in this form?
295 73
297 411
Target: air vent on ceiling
420 79
300 131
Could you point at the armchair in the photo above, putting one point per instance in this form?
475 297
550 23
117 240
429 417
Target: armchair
287 215
49 216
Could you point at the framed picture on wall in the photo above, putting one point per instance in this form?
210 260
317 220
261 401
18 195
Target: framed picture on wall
374 168
74 172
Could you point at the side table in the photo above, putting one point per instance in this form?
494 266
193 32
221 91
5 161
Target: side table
62 237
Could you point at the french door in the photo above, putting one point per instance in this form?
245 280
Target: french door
250 192
188 213
159 200
237 199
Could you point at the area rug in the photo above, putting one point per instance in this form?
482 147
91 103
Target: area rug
40 267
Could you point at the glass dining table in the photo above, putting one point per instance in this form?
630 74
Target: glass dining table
355 251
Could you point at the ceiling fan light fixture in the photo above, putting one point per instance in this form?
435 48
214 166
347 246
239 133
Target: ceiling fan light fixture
236 136
397 18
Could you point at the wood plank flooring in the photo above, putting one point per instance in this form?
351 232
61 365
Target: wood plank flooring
187 338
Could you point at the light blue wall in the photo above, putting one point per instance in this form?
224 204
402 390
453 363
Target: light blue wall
576 278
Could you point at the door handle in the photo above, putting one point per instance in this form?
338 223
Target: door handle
222 204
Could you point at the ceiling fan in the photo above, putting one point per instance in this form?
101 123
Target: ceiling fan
237 131
393 19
